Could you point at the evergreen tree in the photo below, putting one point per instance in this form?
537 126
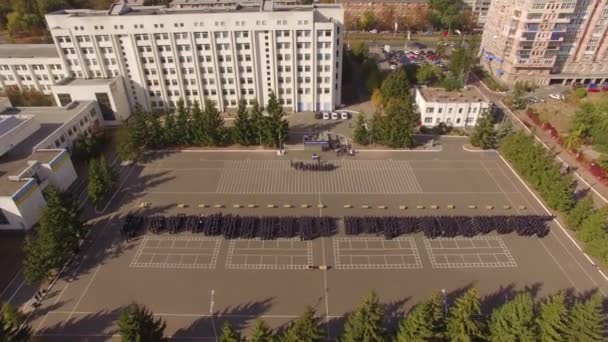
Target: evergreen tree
552 319
514 321
10 332
366 323
242 130
396 85
197 126
462 323
126 143
276 128
136 323
182 121
214 124
378 129
305 328
170 136
108 175
96 188
11 315
586 321
581 211
228 334
261 332
141 131
257 123
400 116
505 129
424 323
361 134
156 132
58 231
483 134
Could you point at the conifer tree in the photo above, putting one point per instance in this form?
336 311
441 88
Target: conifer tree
197 126
96 186
214 125
228 334
366 323
12 333
581 211
182 121
586 321
136 323
261 332
400 118
141 131
305 328
257 123
108 175
378 129
361 134
169 132
276 128
242 130
483 134
424 323
156 132
126 142
463 323
514 321
552 319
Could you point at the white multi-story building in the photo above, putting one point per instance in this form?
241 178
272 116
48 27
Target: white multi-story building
453 108
30 67
242 51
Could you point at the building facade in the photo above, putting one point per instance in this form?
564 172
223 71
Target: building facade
544 42
408 14
480 9
222 55
453 108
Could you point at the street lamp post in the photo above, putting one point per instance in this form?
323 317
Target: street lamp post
445 303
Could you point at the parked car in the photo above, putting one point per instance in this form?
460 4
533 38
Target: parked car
335 116
593 88
393 66
344 115
557 96
326 116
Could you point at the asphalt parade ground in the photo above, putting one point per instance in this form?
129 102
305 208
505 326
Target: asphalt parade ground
197 282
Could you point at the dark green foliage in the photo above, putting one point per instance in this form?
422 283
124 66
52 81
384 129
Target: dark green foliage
400 123
305 328
101 179
425 322
56 236
228 334
483 134
361 135
9 332
87 146
257 123
463 322
215 133
261 332
275 128
586 321
242 131
452 82
396 85
446 14
551 319
366 323
136 323
371 74
359 51
461 61
540 169
514 321
581 211
504 129
182 122
197 125
170 136
428 74
126 143
378 130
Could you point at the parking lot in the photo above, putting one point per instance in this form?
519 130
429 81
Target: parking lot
196 282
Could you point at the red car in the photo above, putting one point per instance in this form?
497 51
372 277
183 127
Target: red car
593 88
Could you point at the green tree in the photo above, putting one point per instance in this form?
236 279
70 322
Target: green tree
214 124
170 136
228 334
463 324
361 134
126 142
514 321
446 14
108 175
156 132
58 231
276 128
425 322
197 126
366 323
581 211
96 187
504 129
359 51
261 332
396 85
452 82
428 73
586 321
305 328
11 315
12 333
401 123
367 21
551 319
461 61
257 123
87 146
242 130
137 323
182 122
484 134
378 131
371 74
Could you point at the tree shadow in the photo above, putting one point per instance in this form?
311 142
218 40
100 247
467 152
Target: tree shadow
507 293
82 327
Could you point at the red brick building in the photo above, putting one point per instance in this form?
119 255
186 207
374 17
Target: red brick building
409 14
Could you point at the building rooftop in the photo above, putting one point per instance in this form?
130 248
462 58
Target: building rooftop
85 82
19 158
468 94
28 51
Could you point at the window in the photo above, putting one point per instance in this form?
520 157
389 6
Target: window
430 110
64 99
428 120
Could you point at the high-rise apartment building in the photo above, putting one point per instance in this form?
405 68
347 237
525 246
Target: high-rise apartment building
225 54
480 9
547 41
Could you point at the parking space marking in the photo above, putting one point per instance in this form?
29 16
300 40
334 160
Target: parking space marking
359 253
162 252
278 176
476 252
279 254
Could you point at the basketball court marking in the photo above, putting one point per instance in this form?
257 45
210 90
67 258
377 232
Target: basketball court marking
358 253
476 252
177 252
279 254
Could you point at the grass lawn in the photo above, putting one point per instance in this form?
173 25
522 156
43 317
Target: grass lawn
560 113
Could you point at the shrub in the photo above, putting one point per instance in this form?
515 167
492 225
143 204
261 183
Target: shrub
580 93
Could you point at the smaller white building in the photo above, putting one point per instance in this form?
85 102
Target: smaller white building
454 108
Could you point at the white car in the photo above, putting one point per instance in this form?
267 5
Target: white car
557 96
344 115
393 66
335 116
326 116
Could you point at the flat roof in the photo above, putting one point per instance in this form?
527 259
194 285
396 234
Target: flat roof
28 51
85 82
16 159
8 122
468 94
